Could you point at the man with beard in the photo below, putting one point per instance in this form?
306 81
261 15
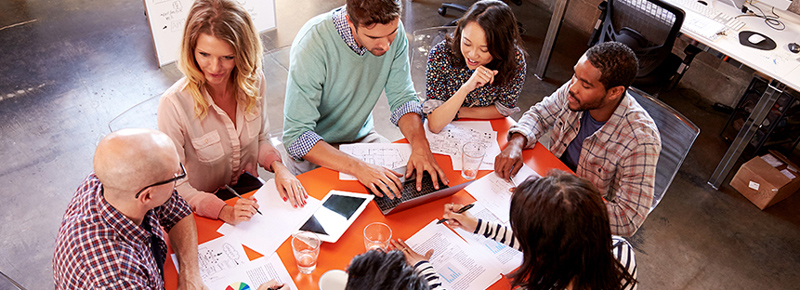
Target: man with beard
599 131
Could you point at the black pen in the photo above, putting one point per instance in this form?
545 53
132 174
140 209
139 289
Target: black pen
461 210
237 194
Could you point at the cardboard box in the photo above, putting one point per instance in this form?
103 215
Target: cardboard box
767 179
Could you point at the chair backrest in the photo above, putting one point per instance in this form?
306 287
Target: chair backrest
649 27
677 136
141 115
276 68
421 44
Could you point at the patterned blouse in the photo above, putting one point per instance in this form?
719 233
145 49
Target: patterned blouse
444 79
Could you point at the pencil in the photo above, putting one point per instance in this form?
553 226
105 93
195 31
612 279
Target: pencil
237 194
461 210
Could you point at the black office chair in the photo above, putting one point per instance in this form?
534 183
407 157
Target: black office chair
463 9
677 136
650 28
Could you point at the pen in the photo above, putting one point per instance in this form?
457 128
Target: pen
237 194
462 210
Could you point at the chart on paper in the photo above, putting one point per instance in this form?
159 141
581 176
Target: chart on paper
389 155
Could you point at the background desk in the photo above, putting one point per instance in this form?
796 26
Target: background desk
779 64
404 224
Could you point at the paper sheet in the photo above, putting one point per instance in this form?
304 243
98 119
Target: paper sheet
217 256
255 273
389 155
453 137
265 233
459 264
494 192
508 258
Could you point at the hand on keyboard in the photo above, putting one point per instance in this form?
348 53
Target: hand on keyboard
379 179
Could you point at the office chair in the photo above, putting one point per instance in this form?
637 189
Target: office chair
463 9
421 44
677 136
650 28
7 282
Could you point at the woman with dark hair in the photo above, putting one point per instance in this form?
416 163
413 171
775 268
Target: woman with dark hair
560 225
377 269
478 73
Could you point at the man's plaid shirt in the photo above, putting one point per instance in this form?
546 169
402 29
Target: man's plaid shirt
99 248
619 158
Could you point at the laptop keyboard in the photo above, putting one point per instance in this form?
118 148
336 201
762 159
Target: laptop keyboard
408 192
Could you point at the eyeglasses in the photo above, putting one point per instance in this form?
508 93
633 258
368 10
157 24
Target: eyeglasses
174 179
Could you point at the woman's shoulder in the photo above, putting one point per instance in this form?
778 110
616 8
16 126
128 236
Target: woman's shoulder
178 94
519 55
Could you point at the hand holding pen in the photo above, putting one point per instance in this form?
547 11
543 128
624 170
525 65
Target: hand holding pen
456 215
255 206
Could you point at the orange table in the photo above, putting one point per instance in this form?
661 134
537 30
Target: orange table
404 224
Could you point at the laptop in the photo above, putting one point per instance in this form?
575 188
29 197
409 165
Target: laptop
410 197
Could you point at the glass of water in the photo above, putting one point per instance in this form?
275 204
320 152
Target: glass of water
377 236
305 246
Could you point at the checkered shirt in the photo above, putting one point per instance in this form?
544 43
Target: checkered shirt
619 159
344 30
308 139
99 248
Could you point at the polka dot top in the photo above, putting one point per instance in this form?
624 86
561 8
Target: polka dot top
444 78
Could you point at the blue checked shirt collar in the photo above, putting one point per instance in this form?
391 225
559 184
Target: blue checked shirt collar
343 28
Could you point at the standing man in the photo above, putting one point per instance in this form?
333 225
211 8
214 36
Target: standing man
111 236
599 131
340 63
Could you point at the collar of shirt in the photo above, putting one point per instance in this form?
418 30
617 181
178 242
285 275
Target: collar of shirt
343 28
124 226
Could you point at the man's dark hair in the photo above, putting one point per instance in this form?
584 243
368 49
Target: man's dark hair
369 12
561 223
386 271
617 63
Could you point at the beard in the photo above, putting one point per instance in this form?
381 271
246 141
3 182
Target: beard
586 106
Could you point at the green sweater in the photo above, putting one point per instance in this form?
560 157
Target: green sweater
331 90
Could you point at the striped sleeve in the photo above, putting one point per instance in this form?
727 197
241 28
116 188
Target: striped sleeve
498 233
425 269
623 252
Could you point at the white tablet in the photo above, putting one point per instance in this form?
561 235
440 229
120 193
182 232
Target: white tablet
338 211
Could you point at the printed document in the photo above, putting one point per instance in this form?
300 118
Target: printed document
216 256
495 193
389 155
459 264
452 138
255 273
263 233
508 258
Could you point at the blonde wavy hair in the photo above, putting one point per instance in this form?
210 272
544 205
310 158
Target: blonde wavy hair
228 21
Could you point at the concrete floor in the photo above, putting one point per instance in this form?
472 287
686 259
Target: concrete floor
67 73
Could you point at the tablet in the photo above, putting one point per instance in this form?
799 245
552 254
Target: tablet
338 211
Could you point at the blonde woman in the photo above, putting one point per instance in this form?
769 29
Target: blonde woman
216 114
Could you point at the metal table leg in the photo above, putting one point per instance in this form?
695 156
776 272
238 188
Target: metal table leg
753 122
550 38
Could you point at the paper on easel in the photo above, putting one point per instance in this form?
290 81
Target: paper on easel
459 264
265 233
495 193
508 258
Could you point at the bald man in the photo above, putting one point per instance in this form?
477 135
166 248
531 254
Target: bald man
111 236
